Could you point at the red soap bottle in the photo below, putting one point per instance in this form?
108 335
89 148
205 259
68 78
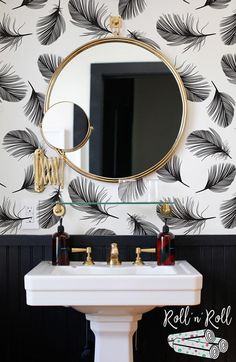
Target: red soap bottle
165 247
60 246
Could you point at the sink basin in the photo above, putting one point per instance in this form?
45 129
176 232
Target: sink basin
78 285
113 297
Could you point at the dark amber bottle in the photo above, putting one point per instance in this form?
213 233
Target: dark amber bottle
165 247
60 246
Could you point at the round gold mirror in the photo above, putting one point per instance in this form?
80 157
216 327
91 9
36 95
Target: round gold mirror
135 101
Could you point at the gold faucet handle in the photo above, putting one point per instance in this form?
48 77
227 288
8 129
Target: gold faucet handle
88 250
148 250
78 250
88 260
138 260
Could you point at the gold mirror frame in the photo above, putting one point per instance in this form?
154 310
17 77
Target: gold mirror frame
159 55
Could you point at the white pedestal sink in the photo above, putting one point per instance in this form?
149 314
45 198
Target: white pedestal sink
113 298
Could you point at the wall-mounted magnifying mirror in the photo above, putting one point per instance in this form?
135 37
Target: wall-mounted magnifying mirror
65 126
136 103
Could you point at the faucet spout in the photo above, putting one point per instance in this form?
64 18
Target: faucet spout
114 255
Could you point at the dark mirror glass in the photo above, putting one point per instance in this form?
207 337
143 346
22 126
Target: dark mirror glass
136 111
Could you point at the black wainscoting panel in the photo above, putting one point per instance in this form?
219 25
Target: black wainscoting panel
56 333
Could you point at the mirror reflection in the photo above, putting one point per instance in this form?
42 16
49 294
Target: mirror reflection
65 126
136 110
135 101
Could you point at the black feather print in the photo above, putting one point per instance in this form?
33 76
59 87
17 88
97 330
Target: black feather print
220 177
10 220
34 107
47 64
228 63
131 8
90 16
204 143
85 192
221 108
216 4
228 213
1 1
184 214
10 37
21 143
139 36
12 88
46 217
131 190
185 1
228 29
197 88
2 185
100 232
179 30
32 4
171 172
28 183
51 27
139 226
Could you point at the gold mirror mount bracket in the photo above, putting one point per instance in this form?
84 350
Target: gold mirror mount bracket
115 25
47 170
38 159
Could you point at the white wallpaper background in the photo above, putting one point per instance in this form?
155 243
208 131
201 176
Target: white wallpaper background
199 37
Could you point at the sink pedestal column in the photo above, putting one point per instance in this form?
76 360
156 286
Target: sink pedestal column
113 336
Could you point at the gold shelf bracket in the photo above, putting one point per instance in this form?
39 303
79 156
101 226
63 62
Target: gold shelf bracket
166 210
59 210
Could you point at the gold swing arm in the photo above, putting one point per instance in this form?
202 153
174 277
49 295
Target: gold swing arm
47 171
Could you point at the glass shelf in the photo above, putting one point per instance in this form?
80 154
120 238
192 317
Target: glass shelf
59 208
116 203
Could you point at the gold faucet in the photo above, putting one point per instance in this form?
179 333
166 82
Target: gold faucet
114 256
88 251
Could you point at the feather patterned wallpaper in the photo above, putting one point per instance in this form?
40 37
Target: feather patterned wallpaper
199 38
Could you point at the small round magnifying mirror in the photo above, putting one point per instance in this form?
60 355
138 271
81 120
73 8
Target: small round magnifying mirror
66 127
